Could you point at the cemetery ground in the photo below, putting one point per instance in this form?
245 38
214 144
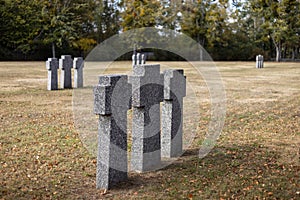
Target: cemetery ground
256 156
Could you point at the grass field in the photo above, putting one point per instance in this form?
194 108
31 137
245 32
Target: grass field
256 157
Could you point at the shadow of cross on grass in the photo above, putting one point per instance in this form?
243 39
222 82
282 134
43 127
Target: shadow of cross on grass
237 171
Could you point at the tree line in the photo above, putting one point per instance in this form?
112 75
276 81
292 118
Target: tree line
227 29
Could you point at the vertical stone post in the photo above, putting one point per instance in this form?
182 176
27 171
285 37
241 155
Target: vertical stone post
143 59
78 65
172 113
52 66
147 93
111 102
257 62
262 61
138 58
134 60
65 64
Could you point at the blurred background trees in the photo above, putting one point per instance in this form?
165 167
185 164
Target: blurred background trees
227 29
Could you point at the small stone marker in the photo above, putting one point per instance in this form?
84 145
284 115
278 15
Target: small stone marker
143 60
78 64
259 61
111 102
139 58
65 64
134 59
52 66
147 93
172 113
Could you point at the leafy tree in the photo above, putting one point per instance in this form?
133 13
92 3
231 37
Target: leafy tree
19 25
279 21
63 21
290 10
57 22
194 22
106 18
85 45
140 14
206 21
217 18
242 34
171 14
223 27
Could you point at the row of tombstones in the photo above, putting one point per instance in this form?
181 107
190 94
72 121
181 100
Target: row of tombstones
65 63
139 59
155 134
259 61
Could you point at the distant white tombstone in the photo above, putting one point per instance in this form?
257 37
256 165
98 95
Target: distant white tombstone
52 66
66 64
259 61
78 65
138 59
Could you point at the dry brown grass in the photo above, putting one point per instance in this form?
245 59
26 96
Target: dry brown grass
257 155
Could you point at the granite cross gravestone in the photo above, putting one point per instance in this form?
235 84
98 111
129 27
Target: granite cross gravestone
147 93
172 113
52 66
144 91
78 65
111 102
65 64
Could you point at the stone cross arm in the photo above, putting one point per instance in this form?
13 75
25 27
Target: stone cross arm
174 84
78 63
112 94
52 64
147 85
66 62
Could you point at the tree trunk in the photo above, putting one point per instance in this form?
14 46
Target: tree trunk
53 50
278 52
201 54
284 52
271 48
278 48
293 53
